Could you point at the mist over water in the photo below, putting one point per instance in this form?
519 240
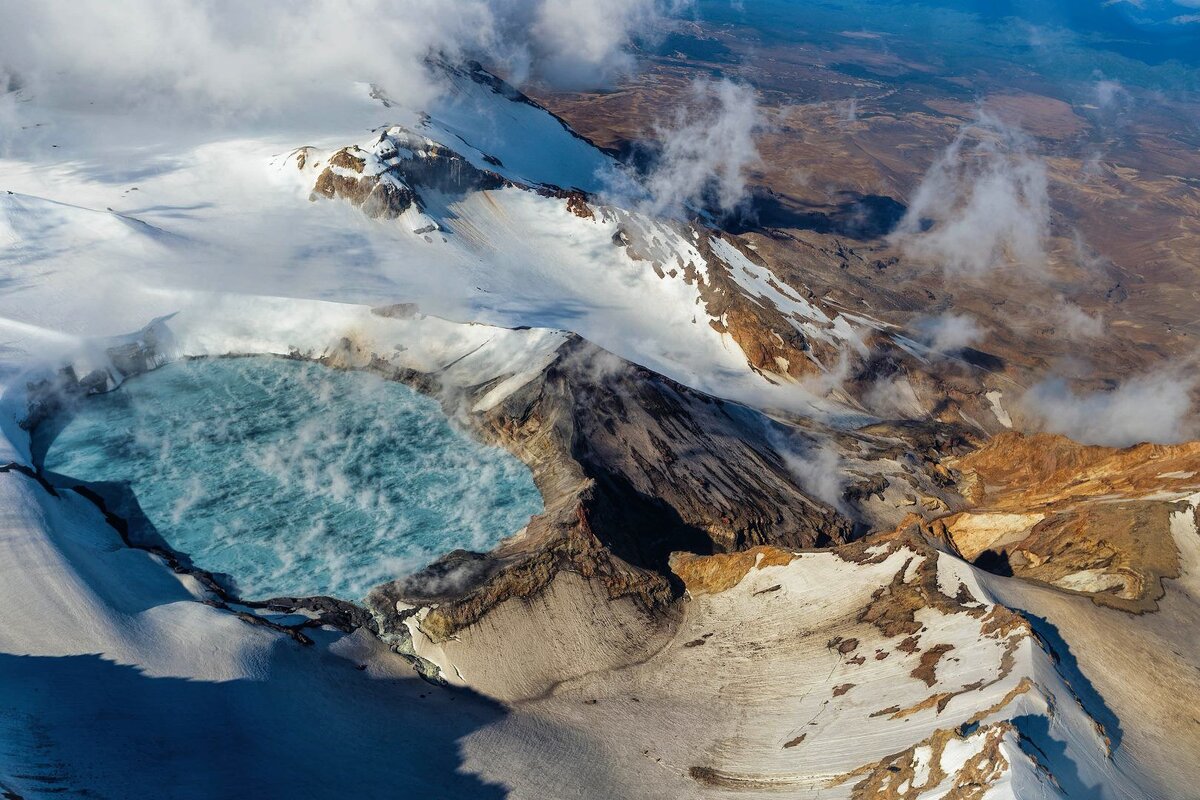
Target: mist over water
292 478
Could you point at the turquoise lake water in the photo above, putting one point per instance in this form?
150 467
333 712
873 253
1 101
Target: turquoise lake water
290 478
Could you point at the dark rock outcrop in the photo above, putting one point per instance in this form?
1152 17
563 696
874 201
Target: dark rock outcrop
633 467
384 180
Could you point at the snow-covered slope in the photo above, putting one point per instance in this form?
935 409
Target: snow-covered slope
513 249
121 678
882 671
530 144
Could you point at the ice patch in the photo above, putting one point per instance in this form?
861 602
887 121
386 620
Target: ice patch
995 398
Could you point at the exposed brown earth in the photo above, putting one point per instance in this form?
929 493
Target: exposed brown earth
717 573
927 669
1124 244
1087 519
895 778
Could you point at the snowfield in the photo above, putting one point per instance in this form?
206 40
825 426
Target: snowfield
109 654
92 245
120 677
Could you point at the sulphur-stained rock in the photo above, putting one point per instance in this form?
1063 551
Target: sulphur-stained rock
717 573
1088 519
976 532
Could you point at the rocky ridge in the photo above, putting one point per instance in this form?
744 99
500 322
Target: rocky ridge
1093 520
670 514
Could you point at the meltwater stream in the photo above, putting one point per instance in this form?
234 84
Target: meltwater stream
290 478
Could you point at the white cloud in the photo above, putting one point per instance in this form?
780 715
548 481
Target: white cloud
707 148
10 119
228 57
1154 407
947 333
848 109
817 467
1109 93
893 398
983 203
1075 323
583 42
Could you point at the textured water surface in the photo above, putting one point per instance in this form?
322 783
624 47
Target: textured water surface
291 478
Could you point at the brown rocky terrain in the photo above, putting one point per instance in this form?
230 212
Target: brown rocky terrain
633 467
400 163
797 539
1094 520
841 157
